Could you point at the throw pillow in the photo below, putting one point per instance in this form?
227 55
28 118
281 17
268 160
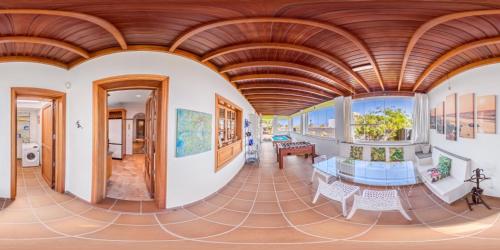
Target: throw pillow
444 166
434 174
356 153
396 154
378 154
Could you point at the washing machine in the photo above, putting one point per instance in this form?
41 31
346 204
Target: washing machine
31 155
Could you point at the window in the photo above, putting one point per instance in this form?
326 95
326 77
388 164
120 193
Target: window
297 124
382 119
321 122
283 125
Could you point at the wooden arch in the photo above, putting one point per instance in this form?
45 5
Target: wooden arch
318 24
285 46
46 41
462 69
303 80
85 17
431 24
284 86
288 65
450 54
33 59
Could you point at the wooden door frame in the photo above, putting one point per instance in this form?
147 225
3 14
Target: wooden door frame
59 126
99 124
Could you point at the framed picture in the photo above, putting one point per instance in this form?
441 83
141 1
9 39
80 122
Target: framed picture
451 117
194 132
487 114
433 118
466 115
440 118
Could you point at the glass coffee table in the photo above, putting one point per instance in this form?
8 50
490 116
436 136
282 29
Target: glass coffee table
371 173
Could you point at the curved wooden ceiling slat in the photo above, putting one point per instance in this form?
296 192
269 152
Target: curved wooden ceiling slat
288 65
431 24
292 47
313 23
85 17
45 41
462 69
284 86
303 80
33 59
450 54
283 93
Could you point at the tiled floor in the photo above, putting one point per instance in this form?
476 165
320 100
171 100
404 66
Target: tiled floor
262 208
127 180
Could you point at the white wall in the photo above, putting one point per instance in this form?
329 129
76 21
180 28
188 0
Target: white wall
483 150
192 86
324 146
21 75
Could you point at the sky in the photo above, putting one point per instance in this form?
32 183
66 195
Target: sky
367 105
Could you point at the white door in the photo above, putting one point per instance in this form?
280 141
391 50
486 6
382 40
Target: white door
115 137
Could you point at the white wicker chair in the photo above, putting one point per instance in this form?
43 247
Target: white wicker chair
336 191
317 172
373 200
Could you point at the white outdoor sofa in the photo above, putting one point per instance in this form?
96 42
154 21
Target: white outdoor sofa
452 187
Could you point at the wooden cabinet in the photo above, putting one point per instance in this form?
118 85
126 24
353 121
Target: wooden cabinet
228 131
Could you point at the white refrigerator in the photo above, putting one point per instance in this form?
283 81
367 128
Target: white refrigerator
115 137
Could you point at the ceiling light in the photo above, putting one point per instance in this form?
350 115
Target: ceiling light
138 96
362 67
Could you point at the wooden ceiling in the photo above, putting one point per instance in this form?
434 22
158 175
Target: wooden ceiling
283 55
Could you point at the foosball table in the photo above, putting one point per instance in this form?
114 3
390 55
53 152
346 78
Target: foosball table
294 148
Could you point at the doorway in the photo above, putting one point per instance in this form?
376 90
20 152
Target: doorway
155 134
38 130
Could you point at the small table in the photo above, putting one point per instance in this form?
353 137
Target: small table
372 173
294 148
280 139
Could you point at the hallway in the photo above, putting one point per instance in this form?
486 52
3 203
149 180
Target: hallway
127 179
260 206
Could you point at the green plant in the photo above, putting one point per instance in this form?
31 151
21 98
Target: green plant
381 125
396 154
378 154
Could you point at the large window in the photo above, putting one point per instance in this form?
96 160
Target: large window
283 125
297 124
382 119
321 122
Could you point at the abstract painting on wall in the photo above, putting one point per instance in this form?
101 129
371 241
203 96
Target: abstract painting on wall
451 117
487 114
433 118
440 118
194 132
466 115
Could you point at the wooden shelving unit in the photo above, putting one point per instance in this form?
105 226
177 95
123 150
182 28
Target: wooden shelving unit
228 130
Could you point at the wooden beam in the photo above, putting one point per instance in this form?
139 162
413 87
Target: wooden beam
45 41
274 97
454 52
33 59
283 77
291 66
292 47
77 15
283 86
461 70
313 23
431 24
282 93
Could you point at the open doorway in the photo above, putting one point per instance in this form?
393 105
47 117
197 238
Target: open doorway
114 134
126 177
38 135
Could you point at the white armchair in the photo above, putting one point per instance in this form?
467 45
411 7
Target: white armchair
336 191
317 172
373 200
